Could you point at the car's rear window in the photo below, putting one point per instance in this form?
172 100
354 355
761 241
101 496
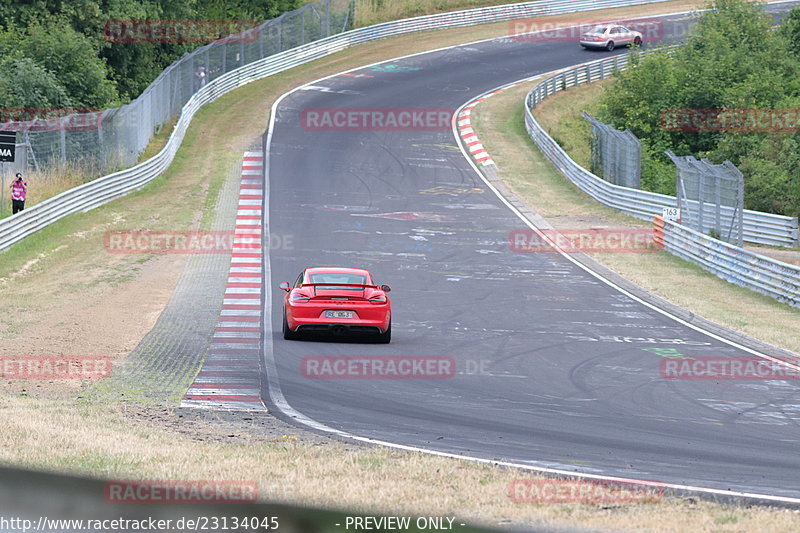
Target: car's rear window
599 29
338 277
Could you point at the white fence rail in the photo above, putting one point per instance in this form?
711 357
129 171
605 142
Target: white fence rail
104 189
759 228
736 265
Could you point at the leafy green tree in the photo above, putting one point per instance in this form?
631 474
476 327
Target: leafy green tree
790 30
640 96
25 84
72 58
98 72
259 10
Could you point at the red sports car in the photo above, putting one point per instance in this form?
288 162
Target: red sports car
338 301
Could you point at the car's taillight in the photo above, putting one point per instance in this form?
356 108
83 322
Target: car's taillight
298 297
377 299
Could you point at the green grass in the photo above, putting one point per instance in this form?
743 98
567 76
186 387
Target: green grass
370 12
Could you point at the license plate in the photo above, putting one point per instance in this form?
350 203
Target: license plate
338 314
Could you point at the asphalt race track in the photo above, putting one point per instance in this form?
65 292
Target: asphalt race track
552 364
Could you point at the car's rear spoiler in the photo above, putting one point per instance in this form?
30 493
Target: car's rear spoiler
338 285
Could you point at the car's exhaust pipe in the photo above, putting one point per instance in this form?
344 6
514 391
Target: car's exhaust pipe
338 330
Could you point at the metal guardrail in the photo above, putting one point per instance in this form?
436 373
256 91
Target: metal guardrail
732 263
759 228
104 189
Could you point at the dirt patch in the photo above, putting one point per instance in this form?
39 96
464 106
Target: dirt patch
587 222
205 425
86 322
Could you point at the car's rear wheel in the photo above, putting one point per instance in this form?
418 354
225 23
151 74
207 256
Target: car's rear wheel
288 334
637 41
386 336
610 46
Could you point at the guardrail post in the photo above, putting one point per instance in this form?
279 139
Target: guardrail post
224 58
328 18
63 140
303 27
101 141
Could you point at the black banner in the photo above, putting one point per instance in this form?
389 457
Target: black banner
8 146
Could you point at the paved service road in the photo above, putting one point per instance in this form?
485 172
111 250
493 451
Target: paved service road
568 381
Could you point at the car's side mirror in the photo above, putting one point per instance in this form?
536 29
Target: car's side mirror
285 286
386 288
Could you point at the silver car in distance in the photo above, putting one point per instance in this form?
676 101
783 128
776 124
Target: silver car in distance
610 36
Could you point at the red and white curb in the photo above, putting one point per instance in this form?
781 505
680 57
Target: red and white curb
467 133
230 378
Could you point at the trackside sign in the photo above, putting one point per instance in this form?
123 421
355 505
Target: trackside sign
8 146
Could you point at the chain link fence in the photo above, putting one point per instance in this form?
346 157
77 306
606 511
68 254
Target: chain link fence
616 155
99 142
711 197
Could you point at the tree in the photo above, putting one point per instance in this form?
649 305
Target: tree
27 85
73 59
67 38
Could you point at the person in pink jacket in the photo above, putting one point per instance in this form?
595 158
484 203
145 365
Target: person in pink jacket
19 191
